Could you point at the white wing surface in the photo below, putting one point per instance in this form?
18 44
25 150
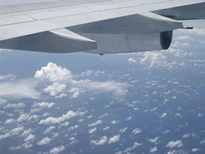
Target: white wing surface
96 26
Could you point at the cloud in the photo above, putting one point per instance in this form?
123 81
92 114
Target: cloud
187 135
89 116
14 131
129 118
195 149
43 105
55 88
172 144
45 140
95 123
15 148
73 127
102 141
202 142
26 132
106 128
2 101
87 73
8 76
136 131
114 139
53 73
49 129
130 148
202 42
123 130
163 115
106 114
45 114
8 121
17 89
25 145
114 122
92 130
55 120
154 109
23 117
178 44
152 58
167 131
132 60
184 38
153 149
15 106
34 117
177 52
80 120
30 137
5 136
65 123
57 150
35 110
174 97
17 130
62 82
153 140
200 114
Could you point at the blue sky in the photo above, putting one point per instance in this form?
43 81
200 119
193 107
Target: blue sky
151 102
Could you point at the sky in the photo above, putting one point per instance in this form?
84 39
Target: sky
146 102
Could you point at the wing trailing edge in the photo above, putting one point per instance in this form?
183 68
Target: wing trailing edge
55 41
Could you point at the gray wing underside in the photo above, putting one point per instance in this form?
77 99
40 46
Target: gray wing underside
49 26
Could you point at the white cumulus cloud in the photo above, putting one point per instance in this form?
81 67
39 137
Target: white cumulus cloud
92 130
30 137
15 106
132 60
62 82
152 58
53 73
185 38
172 144
102 141
49 129
195 149
43 104
8 121
57 150
163 115
2 101
95 123
55 120
45 140
123 130
136 131
153 149
114 139
153 140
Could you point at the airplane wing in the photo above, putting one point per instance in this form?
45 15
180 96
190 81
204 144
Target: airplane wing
96 26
